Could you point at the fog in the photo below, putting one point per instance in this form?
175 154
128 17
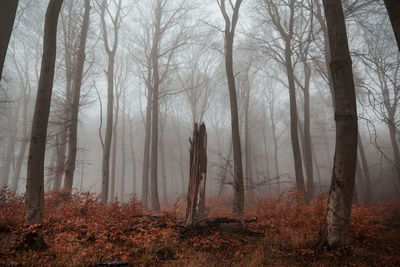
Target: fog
193 88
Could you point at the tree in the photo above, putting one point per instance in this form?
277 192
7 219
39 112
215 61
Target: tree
111 51
336 234
8 10
35 173
76 92
229 34
282 17
393 9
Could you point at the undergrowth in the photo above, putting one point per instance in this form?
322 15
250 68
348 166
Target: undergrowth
79 230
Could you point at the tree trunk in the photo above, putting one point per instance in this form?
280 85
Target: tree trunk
114 149
35 172
393 9
238 188
247 142
368 185
76 92
155 202
61 143
146 153
293 121
8 10
198 173
133 157
308 159
343 176
162 158
122 184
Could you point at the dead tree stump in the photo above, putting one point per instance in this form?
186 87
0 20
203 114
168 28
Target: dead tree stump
197 180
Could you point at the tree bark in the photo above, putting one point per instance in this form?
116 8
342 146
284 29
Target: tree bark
114 148
35 172
8 10
162 158
76 92
111 51
238 188
198 173
122 184
393 9
345 160
132 150
367 176
146 153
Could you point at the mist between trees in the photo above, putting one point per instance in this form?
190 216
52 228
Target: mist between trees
132 77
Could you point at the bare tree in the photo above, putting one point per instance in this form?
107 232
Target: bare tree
336 234
229 34
35 173
111 51
76 92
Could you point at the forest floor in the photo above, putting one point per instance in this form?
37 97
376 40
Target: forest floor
80 231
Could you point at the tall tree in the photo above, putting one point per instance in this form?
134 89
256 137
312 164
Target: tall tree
229 34
8 10
35 172
76 92
336 234
111 51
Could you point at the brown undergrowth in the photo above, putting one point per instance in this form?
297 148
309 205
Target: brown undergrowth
79 230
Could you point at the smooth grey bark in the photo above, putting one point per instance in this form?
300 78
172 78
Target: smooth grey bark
35 172
393 9
8 10
111 51
247 137
336 235
76 92
229 33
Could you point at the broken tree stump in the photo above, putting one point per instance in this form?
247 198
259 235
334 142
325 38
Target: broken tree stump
197 180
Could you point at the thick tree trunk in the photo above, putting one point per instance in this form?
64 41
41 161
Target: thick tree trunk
76 92
146 153
35 172
393 9
8 10
198 173
345 161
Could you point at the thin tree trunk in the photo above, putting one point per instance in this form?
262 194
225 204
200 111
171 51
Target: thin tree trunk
8 10
336 235
225 169
247 143
368 185
114 149
162 158
146 153
122 184
133 157
35 172
76 92
110 95
60 167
